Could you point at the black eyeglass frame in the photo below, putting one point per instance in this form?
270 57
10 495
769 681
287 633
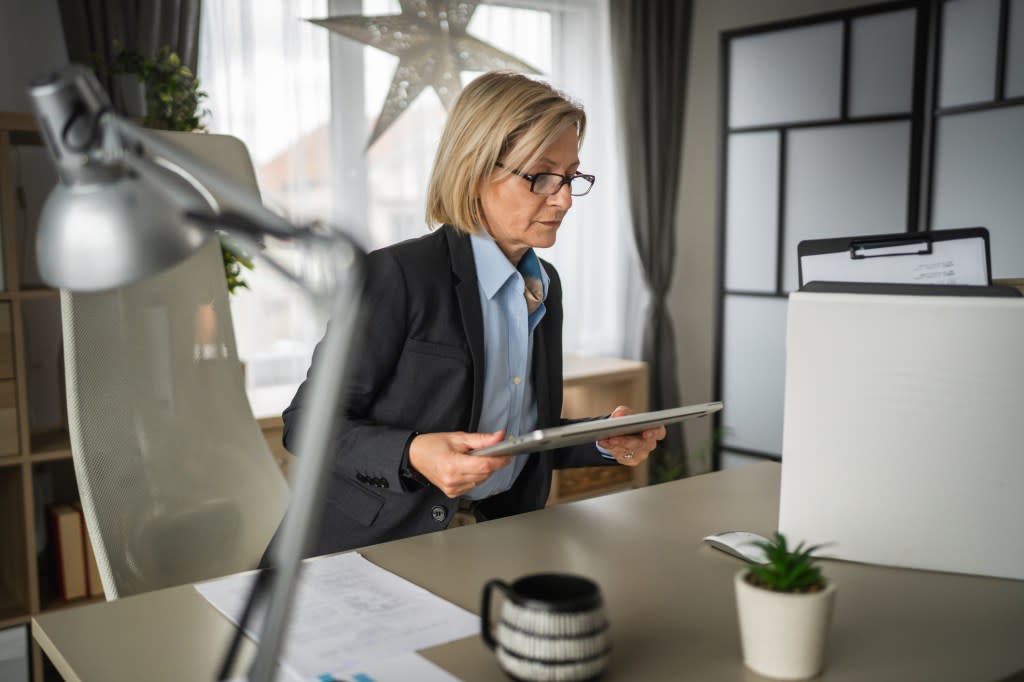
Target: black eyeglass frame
565 180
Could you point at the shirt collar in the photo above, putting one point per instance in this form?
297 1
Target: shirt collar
493 268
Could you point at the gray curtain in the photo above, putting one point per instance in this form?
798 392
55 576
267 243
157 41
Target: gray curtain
91 26
650 49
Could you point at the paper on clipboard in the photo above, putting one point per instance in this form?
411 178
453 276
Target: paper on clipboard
938 257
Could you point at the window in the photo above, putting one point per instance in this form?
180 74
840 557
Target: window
304 100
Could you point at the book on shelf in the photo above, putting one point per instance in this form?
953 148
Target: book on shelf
92 570
66 536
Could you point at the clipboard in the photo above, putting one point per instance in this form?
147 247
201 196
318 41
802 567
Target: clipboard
590 431
944 257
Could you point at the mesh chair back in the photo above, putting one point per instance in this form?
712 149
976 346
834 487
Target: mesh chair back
176 481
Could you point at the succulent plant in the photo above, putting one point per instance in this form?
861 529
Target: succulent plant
787 570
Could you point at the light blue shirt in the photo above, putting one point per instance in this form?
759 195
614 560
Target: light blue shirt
509 402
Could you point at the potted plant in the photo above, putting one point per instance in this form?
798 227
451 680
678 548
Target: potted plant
784 608
171 91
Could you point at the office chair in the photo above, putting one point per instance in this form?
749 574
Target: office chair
176 481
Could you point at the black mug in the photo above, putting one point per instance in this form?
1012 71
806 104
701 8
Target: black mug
552 626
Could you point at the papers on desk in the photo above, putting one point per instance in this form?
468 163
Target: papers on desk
350 615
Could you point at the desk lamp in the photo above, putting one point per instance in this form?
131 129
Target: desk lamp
129 205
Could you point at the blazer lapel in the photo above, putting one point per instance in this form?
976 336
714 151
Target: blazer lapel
467 293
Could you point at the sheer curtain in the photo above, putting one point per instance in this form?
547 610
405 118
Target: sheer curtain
304 101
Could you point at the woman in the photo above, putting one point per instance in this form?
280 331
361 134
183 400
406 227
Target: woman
462 341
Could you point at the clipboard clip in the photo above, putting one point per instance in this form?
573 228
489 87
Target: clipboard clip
890 247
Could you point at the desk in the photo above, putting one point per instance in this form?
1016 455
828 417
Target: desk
669 597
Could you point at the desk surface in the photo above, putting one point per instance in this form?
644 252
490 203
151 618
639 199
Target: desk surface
669 597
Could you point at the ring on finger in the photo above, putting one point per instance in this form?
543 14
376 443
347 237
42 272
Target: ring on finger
628 455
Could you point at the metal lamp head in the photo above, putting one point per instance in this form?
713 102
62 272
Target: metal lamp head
96 237
115 217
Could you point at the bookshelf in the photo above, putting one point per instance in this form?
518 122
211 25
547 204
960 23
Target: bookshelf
35 452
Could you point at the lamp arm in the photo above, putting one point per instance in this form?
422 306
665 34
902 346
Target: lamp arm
317 424
245 221
315 433
243 234
237 197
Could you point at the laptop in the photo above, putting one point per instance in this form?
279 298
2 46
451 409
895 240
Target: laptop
903 430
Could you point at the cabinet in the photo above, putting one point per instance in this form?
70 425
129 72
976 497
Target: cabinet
593 386
35 451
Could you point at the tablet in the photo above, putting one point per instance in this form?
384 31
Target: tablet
590 431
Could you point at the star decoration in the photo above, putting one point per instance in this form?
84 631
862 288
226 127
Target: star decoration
430 40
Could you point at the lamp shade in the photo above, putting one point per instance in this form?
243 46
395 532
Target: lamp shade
96 236
117 215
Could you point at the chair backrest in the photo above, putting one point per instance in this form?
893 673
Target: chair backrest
176 480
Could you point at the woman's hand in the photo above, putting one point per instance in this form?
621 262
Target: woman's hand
633 448
442 459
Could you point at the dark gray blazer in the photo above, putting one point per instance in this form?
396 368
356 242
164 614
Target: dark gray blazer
420 369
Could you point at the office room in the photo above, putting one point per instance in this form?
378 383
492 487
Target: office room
730 147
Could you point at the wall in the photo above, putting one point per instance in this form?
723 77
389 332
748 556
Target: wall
693 296
31 44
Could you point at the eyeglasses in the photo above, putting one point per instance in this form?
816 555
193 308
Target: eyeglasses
551 183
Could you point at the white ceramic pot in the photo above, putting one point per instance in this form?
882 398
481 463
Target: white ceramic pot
783 634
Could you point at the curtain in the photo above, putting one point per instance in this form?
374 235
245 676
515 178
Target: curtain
650 49
267 72
91 26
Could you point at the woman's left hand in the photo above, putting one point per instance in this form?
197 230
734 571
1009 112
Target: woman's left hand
634 448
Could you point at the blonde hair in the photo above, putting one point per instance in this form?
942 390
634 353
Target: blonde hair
500 116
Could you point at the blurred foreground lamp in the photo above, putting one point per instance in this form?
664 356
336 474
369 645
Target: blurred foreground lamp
129 205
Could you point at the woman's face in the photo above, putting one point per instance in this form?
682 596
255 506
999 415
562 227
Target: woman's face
517 218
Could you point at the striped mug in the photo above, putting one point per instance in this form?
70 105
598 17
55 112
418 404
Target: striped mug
551 626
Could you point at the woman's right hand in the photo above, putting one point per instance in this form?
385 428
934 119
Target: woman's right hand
442 459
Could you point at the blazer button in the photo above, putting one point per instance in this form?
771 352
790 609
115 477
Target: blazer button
439 513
